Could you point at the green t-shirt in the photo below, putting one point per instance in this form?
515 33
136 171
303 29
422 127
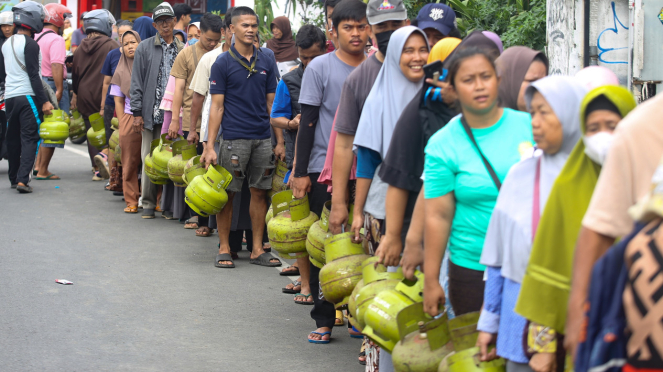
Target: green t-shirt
453 164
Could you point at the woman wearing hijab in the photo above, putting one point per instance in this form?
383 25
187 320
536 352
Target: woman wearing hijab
465 164
545 287
404 163
554 103
283 44
193 33
130 140
518 67
398 82
143 26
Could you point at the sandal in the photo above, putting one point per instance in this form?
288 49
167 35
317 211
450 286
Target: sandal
224 257
265 259
339 319
267 247
50 177
320 341
191 223
290 270
292 290
306 302
354 333
131 209
362 354
206 233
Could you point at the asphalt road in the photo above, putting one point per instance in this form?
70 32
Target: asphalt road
146 295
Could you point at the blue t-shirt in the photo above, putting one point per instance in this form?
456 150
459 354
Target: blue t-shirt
282 106
245 113
108 69
454 165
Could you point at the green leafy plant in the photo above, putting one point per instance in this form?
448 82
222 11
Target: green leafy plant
518 22
263 9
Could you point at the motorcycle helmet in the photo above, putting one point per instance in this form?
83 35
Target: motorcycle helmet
6 18
56 14
30 15
100 20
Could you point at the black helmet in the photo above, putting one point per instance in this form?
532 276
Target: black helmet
30 15
100 20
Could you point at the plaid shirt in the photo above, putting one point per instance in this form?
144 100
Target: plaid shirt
167 60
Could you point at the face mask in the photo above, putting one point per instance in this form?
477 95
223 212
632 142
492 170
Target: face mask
383 41
597 146
193 41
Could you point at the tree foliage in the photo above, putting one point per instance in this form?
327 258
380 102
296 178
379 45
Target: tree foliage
518 22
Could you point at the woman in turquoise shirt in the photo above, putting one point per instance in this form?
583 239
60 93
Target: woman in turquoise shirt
459 190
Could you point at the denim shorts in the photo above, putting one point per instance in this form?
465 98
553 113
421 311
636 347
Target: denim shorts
248 158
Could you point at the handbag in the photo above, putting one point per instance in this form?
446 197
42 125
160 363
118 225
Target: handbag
47 88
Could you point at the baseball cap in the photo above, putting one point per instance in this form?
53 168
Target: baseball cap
163 9
438 16
385 10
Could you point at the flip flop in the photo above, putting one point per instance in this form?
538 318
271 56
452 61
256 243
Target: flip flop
321 334
50 177
338 321
286 272
224 257
356 335
205 234
191 222
265 260
303 302
24 189
292 290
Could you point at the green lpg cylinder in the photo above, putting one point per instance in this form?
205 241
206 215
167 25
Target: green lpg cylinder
193 169
315 242
148 163
376 279
118 154
277 179
182 152
468 361
162 154
96 135
380 316
207 194
424 342
291 221
114 140
342 271
54 130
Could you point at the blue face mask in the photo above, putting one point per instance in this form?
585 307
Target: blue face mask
193 41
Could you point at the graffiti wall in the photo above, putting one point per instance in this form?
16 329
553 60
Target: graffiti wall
609 30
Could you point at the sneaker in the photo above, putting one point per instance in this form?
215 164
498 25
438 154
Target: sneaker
148 213
24 189
101 160
97 177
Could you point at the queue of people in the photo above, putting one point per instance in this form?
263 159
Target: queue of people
453 156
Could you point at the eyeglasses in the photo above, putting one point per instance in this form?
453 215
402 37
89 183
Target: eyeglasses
167 21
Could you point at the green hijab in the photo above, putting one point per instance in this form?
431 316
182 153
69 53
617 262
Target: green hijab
545 288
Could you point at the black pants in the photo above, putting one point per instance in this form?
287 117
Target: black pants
235 240
109 111
3 135
323 311
465 289
22 137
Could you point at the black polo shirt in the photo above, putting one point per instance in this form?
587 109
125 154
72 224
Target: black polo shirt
245 113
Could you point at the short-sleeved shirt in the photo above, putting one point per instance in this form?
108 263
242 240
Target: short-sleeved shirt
53 50
108 69
115 91
245 113
454 165
184 67
200 85
626 175
77 37
321 86
282 106
355 91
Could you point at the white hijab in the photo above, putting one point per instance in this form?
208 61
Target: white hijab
390 94
509 237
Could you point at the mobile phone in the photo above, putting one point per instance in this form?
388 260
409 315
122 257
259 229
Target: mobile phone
434 68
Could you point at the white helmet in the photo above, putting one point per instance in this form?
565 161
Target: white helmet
7 18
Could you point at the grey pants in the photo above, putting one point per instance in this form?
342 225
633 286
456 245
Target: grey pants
148 189
517 367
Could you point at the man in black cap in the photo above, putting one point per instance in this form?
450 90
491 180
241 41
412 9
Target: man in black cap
152 63
438 21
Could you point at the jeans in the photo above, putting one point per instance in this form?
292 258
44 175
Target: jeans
64 101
